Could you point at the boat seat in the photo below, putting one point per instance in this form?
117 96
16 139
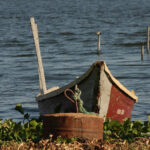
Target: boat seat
52 89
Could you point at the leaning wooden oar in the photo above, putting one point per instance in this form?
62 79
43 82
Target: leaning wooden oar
40 65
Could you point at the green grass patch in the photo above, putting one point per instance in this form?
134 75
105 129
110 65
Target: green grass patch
31 130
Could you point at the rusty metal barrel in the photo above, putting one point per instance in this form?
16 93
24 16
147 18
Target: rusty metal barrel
70 125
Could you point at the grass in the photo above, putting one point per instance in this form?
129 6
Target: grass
28 135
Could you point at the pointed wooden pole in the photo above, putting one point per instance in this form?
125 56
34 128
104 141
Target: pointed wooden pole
142 52
147 39
98 34
39 59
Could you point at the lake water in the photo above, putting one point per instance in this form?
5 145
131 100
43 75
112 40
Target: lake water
68 41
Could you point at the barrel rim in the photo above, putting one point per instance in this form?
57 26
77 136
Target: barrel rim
72 115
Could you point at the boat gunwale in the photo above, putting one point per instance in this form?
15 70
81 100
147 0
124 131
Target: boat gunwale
56 92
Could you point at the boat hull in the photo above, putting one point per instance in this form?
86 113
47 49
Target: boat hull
101 93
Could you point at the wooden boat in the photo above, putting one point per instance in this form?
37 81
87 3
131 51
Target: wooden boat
101 92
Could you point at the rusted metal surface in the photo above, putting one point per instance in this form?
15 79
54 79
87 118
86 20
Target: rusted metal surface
120 106
73 125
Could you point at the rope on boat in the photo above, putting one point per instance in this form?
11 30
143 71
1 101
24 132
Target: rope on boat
77 100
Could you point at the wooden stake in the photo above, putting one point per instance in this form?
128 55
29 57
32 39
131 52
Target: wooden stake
98 34
142 52
39 59
147 39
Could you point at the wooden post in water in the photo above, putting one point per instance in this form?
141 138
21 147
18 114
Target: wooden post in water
147 39
39 59
98 34
142 52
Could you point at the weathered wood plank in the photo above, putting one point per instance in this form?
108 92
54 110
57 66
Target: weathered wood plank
39 59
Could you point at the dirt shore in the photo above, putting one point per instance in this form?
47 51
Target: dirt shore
80 144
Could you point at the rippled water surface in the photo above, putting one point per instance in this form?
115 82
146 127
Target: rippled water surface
68 41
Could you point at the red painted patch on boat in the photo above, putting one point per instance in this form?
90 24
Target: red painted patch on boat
120 105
